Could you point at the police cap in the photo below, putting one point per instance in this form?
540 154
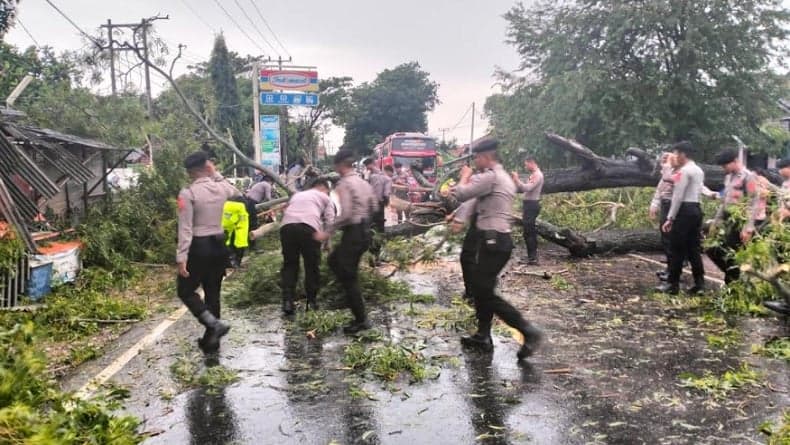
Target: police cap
485 144
344 155
783 163
684 147
196 160
726 156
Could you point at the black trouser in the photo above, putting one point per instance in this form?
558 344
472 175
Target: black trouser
665 238
344 262
723 255
685 243
206 265
481 263
297 241
530 213
377 224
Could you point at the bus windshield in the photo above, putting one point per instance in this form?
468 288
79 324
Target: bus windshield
426 165
413 144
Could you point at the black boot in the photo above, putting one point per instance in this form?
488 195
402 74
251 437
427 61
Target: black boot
357 326
781 307
215 329
662 275
288 305
699 287
667 288
532 339
478 341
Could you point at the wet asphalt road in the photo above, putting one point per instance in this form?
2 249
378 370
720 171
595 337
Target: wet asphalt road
598 380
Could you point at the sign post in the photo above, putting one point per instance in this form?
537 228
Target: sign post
269 151
282 87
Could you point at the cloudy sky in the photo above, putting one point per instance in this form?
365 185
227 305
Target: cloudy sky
460 42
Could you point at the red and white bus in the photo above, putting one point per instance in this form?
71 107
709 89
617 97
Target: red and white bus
408 149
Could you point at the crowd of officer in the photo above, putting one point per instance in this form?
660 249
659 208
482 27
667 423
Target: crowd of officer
214 219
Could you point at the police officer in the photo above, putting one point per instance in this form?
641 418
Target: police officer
382 189
308 212
660 204
357 205
201 254
236 224
684 221
488 237
739 183
531 206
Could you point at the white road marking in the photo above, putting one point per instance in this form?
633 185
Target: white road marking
130 353
106 374
659 263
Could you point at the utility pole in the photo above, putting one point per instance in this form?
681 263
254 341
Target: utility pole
472 137
112 46
256 107
283 118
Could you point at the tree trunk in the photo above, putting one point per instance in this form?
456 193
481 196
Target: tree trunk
597 172
600 243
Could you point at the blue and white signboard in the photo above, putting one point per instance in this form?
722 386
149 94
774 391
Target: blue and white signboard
296 99
270 141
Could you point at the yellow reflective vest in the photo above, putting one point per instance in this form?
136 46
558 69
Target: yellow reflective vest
236 223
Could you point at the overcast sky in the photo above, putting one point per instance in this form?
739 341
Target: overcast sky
459 42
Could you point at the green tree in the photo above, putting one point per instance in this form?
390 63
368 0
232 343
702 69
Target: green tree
397 100
624 73
7 12
227 114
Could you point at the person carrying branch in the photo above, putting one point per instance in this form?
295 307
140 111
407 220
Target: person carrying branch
357 205
739 184
488 237
201 253
684 221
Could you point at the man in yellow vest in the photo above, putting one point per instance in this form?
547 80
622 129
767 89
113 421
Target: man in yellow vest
236 224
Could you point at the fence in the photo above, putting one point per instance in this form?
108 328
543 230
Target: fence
14 284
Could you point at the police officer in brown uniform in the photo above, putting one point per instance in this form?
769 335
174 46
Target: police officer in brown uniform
489 246
357 205
201 254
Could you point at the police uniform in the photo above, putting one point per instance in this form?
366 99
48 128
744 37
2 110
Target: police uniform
685 214
357 204
487 248
307 212
737 186
236 224
201 245
382 189
662 200
530 211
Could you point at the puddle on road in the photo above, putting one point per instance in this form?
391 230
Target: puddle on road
296 391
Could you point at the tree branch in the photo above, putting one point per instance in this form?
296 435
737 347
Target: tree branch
133 47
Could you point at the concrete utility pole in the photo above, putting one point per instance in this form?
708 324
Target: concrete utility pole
472 137
283 118
256 107
143 26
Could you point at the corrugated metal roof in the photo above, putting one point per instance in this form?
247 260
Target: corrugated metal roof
58 137
56 155
14 161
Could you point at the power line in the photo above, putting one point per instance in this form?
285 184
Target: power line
24 28
85 34
237 26
460 120
256 28
258 10
195 13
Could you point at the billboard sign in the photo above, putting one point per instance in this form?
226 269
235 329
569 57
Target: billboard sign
304 100
270 141
273 79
